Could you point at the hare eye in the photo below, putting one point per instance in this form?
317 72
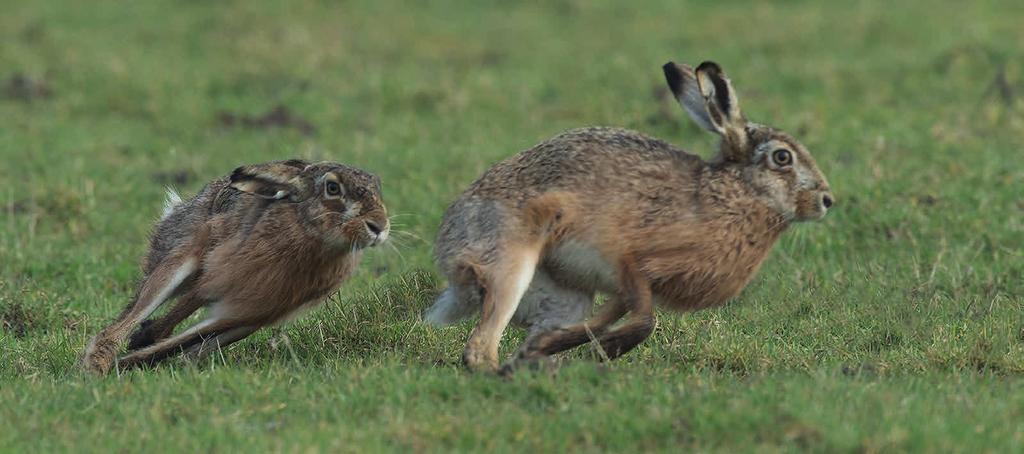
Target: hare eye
333 188
782 157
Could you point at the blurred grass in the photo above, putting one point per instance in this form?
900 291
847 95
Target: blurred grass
895 324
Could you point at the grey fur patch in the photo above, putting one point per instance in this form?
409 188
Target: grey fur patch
548 305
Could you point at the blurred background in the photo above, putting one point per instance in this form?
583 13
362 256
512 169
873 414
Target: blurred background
913 110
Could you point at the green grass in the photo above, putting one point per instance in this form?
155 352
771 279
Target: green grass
897 323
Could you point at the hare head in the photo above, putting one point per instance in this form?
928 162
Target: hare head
340 203
771 161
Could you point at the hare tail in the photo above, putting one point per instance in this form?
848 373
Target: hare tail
448 309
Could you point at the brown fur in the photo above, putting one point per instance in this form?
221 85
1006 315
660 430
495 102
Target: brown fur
265 243
667 226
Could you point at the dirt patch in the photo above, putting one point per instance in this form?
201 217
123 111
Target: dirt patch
179 176
20 87
927 200
277 117
16 320
17 207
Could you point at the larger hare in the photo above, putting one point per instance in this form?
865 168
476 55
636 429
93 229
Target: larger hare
257 246
614 211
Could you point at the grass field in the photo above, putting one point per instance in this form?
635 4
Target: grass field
897 323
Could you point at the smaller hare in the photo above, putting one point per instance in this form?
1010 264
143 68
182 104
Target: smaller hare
256 247
613 211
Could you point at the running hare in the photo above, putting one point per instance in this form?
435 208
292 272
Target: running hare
614 211
257 247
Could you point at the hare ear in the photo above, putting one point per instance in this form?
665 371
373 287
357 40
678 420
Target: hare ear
719 95
708 96
273 180
683 83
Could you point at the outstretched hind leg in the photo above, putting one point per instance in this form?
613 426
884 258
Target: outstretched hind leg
219 341
162 283
195 336
503 284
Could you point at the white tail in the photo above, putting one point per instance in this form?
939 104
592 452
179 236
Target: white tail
447 309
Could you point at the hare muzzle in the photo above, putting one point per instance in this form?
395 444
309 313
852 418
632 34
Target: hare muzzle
377 231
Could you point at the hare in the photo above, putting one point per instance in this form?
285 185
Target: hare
614 211
257 247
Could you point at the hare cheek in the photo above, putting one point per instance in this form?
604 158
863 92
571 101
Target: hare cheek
351 211
807 206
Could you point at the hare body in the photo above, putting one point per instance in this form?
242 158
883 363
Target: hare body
256 247
614 211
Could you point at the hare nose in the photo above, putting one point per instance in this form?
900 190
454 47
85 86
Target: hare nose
826 200
373 227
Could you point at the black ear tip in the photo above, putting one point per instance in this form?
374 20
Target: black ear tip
238 173
710 67
674 76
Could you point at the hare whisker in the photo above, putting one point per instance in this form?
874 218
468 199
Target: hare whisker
328 213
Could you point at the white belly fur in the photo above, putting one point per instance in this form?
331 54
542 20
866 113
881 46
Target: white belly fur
583 264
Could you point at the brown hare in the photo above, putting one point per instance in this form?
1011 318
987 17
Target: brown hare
256 247
613 211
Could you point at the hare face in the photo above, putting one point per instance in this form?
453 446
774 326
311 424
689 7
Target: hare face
784 172
347 208
773 163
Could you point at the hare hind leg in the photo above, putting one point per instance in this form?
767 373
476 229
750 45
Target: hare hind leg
558 339
503 284
195 335
153 331
160 285
634 296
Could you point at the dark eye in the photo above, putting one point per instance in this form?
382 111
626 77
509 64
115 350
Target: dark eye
333 188
782 157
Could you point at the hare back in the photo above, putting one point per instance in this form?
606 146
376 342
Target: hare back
216 208
591 161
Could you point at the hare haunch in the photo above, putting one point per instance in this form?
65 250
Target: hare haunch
614 211
256 247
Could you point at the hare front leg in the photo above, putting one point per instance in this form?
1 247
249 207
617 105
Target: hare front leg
636 290
504 284
160 285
